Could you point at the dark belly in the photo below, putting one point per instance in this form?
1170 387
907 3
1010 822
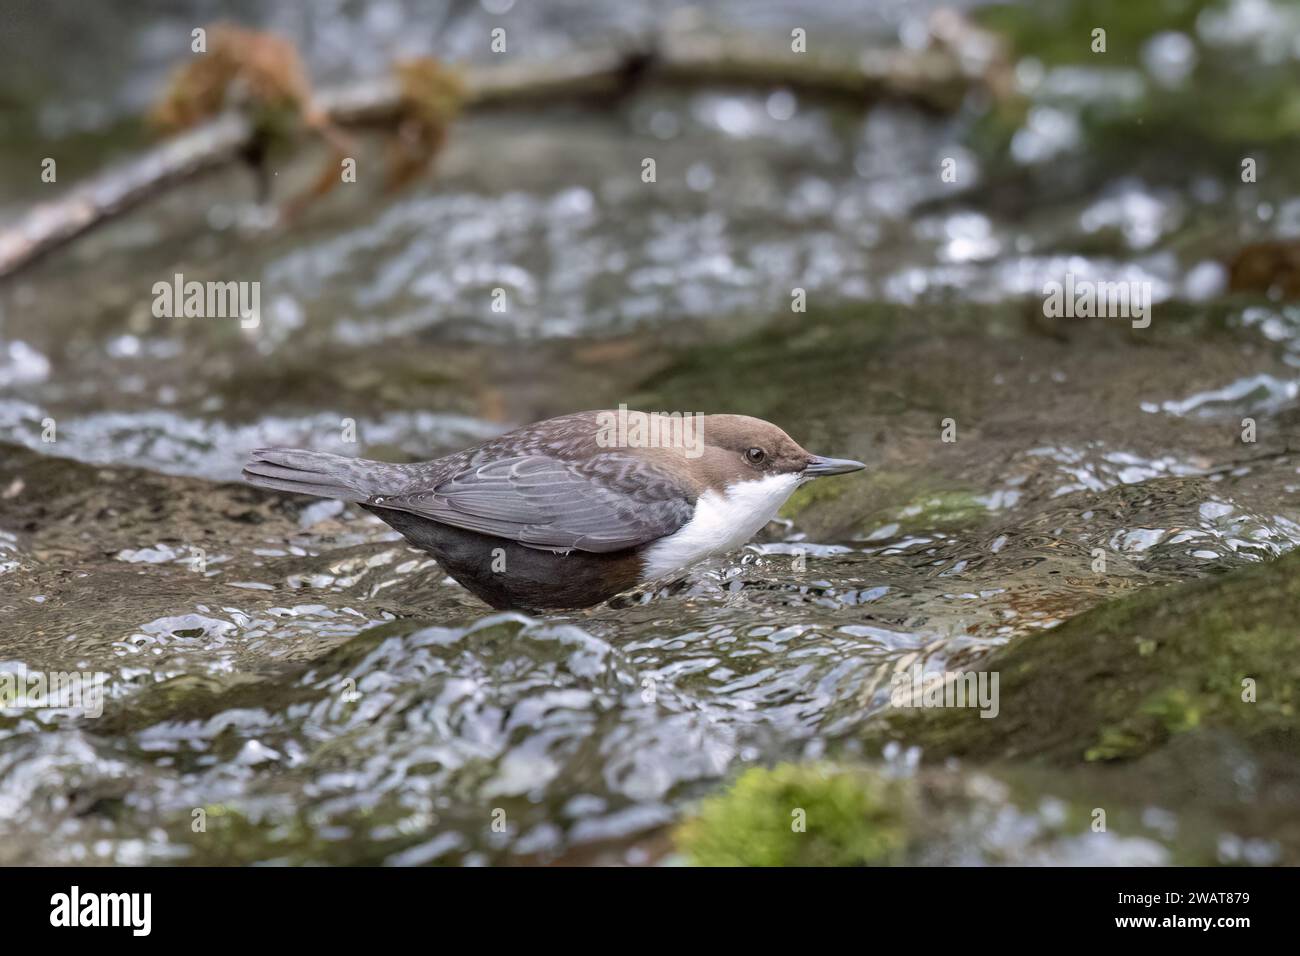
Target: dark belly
511 576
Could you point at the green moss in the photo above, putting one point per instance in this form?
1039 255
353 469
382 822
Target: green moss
1061 32
1115 743
799 815
1175 710
917 504
814 491
1126 678
1231 99
1169 712
942 511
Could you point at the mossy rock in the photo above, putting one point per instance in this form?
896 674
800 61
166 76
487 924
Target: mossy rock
941 510
1216 656
812 493
800 815
865 503
856 814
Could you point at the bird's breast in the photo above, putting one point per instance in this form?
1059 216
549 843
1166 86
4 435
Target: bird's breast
722 522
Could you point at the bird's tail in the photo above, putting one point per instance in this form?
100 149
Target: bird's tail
322 474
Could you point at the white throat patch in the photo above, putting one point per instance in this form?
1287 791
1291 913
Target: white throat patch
721 523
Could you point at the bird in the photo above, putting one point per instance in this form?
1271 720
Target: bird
568 512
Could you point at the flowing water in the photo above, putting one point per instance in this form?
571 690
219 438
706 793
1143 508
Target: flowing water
288 671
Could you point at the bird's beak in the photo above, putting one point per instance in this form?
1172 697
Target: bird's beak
818 466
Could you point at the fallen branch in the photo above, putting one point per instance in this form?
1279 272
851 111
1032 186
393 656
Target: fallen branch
51 224
934 79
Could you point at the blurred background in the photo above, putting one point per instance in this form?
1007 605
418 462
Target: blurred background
911 181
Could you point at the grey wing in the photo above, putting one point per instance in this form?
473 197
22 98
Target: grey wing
548 503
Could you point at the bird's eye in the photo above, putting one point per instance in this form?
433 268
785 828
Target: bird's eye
755 456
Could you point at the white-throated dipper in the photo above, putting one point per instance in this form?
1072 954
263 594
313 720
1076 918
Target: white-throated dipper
568 512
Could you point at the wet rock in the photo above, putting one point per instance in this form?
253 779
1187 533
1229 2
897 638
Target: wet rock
1128 677
1185 698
